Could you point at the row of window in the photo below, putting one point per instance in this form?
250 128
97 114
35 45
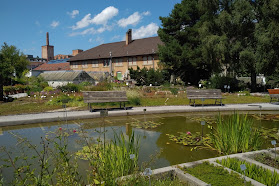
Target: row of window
117 62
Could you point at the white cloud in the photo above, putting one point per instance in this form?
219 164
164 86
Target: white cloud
83 23
54 24
100 19
91 31
105 15
145 31
100 40
146 13
131 20
73 14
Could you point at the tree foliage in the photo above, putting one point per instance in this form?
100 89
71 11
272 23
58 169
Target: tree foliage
149 76
203 37
12 62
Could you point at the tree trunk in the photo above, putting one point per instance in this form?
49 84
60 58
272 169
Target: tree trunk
253 81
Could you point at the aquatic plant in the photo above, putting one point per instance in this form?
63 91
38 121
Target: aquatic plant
145 125
52 163
190 139
253 171
116 158
235 134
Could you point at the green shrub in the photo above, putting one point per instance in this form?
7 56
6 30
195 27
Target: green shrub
48 89
174 91
218 82
135 101
70 87
69 100
102 86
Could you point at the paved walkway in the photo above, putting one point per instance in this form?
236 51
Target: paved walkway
74 115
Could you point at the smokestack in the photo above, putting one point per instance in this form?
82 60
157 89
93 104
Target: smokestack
128 36
47 39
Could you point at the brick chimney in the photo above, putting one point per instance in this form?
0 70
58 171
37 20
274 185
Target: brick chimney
128 36
47 39
77 51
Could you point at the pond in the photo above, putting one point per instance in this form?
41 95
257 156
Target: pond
152 141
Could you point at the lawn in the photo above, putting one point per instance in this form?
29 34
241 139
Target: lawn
36 105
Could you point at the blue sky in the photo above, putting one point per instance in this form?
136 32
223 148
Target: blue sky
76 24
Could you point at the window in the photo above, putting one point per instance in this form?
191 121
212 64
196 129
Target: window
144 60
84 64
106 62
150 60
95 63
133 61
118 62
74 65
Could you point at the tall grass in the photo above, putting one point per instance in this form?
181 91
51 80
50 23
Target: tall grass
113 159
253 171
235 134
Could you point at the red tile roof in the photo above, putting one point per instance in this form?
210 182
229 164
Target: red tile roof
53 67
144 46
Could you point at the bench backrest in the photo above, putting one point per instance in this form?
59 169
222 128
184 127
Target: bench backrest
273 91
203 93
104 96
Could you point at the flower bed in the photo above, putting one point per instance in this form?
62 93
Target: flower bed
266 159
253 171
215 175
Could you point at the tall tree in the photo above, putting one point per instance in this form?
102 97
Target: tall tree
267 34
181 53
12 61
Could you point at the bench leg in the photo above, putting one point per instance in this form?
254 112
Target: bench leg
124 106
194 103
90 107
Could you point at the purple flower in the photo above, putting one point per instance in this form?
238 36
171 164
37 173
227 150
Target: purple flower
189 133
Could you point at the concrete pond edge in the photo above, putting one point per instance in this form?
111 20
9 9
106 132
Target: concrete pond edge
193 181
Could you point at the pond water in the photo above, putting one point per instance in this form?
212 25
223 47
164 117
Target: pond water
153 141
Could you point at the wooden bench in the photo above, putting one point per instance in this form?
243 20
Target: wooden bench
274 94
193 94
104 97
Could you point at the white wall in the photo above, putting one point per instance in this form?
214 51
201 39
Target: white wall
55 84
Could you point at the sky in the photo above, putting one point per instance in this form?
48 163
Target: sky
79 24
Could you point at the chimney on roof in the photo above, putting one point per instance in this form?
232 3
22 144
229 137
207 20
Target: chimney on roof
47 39
128 36
77 51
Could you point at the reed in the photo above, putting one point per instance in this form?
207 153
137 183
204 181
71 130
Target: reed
235 134
114 160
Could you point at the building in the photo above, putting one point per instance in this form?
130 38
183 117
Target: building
48 50
54 65
63 56
116 58
60 78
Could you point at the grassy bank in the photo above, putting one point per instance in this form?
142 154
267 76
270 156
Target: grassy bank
137 97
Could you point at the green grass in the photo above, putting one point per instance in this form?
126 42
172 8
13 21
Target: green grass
253 171
164 180
26 105
32 105
214 175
